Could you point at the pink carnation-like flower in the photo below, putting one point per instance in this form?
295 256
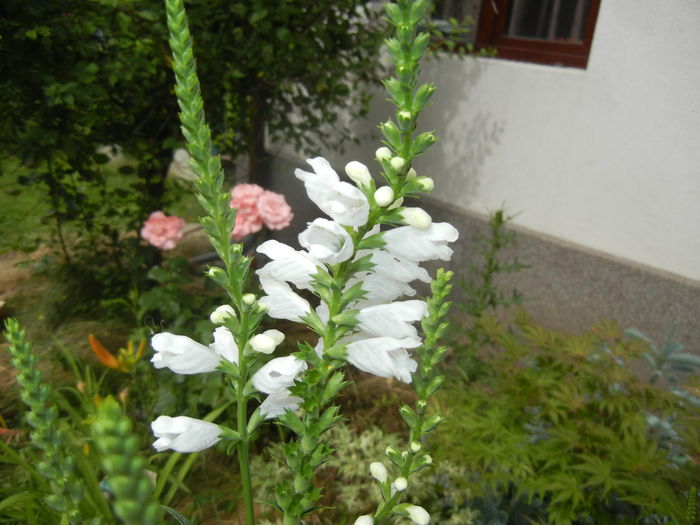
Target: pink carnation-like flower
245 195
248 221
257 206
274 210
162 231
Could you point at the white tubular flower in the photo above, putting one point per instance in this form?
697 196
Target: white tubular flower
358 173
396 267
416 217
342 201
421 245
384 356
426 183
393 319
384 196
263 343
182 355
288 264
380 288
383 153
281 302
278 375
184 434
418 515
364 520
327 241
249 299
223 312
378 471
277 404
225 345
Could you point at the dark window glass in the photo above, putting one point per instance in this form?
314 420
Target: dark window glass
550 20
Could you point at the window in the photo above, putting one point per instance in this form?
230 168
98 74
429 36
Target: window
557 32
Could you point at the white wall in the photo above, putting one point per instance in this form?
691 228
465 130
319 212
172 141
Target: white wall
607 157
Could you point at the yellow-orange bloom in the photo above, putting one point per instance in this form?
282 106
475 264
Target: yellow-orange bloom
125 361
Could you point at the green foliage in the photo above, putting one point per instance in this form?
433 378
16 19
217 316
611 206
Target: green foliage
126 476
564 419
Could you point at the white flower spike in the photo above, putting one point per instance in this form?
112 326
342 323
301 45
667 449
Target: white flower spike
184 434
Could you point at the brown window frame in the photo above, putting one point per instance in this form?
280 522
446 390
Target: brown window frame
492 21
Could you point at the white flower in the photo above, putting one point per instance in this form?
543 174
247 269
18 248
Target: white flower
426 183
182 355
400 484
396 267
277 404
225 345
278 375
378 471
383 153
384 196
249 299
288 264
397 163
380 288
421 245
415 446
384 356
416 217
364 520
184 434
223 312
327 241
359 173
281 302
418 515
393 319
342 201
266 342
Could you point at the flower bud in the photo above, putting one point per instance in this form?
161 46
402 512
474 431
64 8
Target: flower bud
222 313
426 183
405 115
400 484
378 471
364 520
396 204
263 343
428 459
418 515
383 153
411 173
417 218
359 173
276 335
249 299
384 196
397 163
415 446
215 272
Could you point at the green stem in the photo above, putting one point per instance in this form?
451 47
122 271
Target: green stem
243 447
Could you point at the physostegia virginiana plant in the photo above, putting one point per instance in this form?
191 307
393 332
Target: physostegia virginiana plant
357 264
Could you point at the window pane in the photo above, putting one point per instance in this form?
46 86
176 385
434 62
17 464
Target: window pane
458 9
551 20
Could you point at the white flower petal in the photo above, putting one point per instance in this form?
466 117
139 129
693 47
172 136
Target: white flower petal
278 374
225 345
184 434
384 356
281 302
288 264
277 404
182 355
327 241
380 288
396 267
393 319
421 245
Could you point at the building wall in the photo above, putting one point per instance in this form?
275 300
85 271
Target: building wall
607 158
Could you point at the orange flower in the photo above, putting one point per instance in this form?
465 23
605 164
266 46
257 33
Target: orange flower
127 359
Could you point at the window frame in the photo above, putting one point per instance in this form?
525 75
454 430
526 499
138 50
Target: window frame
491 25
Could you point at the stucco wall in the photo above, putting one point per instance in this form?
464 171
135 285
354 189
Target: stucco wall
607 157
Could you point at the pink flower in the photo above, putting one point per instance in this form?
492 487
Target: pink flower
162 231
257 206
245 195
274 210
248 221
